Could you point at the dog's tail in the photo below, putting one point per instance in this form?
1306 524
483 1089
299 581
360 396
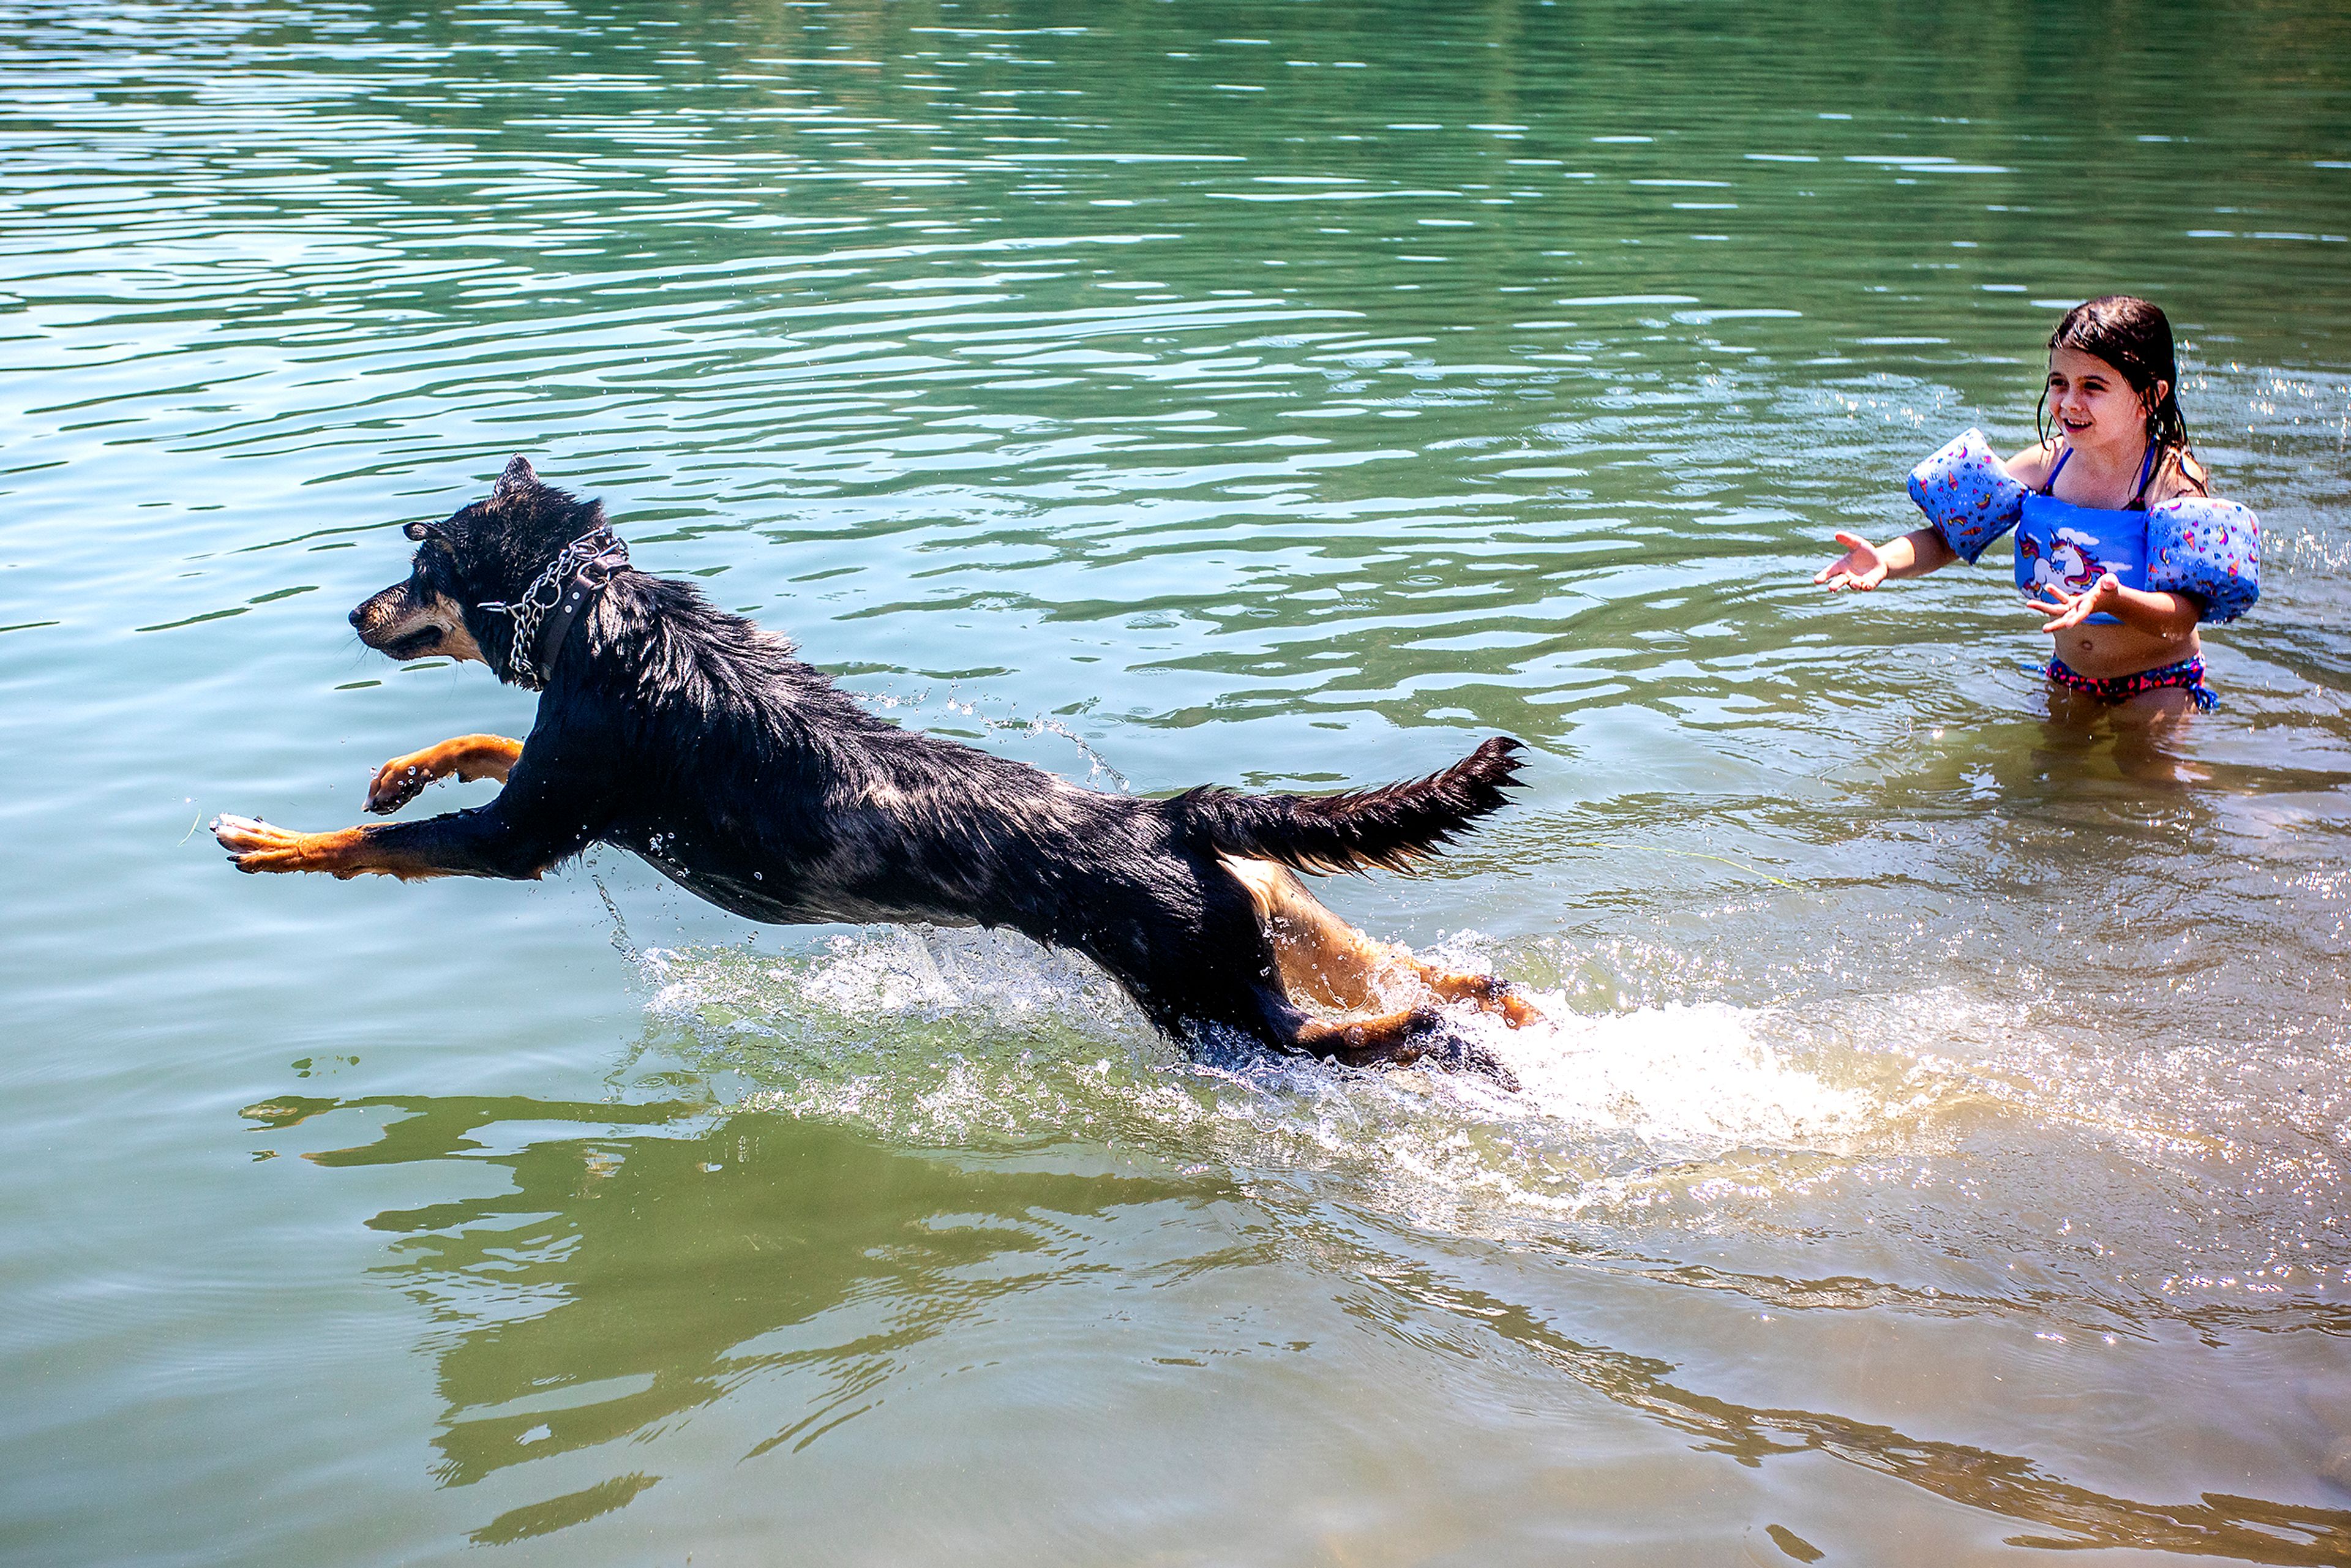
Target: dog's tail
1391 827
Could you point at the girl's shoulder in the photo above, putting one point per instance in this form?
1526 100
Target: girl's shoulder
2030 467
2179 474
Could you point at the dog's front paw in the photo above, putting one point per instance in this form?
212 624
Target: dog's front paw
256 846
398 782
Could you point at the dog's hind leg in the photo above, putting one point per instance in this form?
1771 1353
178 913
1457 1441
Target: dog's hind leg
1227 971
1395 1039
466 759
1323 959
1492 993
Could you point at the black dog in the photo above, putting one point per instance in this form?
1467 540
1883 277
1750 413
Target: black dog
698 741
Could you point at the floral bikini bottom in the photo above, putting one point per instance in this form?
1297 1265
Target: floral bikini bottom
2188 675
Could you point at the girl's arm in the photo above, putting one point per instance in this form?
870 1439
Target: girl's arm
1865 565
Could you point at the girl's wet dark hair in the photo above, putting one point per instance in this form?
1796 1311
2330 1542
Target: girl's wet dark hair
2134 336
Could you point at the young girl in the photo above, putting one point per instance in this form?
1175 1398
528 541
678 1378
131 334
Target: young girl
2120 546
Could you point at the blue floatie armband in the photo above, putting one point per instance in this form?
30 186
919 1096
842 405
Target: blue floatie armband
1967 494
2210 548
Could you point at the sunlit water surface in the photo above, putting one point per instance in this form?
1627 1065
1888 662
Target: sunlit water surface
1940 1151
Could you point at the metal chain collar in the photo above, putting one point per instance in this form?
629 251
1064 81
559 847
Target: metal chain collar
592 558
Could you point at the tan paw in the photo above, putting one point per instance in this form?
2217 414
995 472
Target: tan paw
256 846
398 782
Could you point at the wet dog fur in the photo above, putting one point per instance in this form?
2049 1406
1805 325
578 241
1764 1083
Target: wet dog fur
701 743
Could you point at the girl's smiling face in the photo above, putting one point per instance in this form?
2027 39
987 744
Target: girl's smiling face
2092 405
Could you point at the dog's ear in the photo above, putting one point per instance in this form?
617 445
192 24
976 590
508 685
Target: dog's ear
518 476
419 532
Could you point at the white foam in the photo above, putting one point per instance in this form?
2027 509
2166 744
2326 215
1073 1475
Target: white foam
1686 1081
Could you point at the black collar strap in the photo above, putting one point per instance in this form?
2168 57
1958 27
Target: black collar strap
542 617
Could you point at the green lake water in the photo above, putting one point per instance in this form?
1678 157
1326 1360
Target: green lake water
1942 1153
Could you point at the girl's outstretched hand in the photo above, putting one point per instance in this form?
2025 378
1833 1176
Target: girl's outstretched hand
1860 566
2061 609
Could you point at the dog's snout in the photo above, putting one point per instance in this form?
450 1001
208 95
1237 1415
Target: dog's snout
381 613
378 611
408 624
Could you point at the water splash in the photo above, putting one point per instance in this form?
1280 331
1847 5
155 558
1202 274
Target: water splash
924 1034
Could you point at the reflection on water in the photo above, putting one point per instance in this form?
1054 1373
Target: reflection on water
647 1260
624 1278
2007 1485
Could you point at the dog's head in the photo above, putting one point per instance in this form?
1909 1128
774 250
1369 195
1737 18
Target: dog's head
486 553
